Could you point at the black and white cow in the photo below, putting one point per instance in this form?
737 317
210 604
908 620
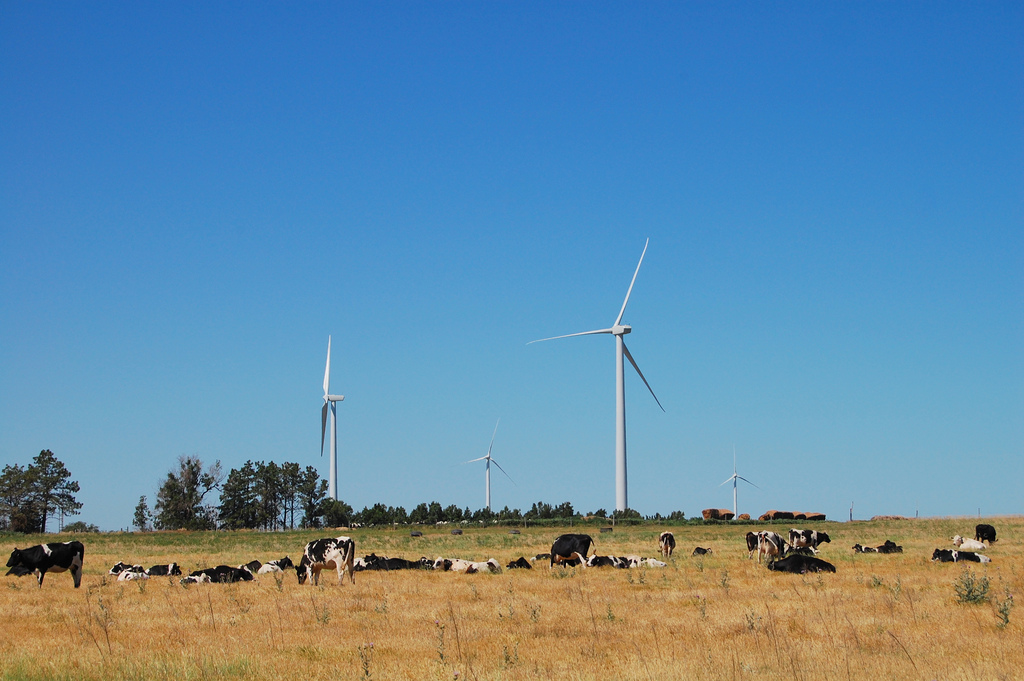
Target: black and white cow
751 544
888 547
196 579
253 566
701 552
953 556
983 532
569 547
799 563
120 567
224 574
337 553
279 565
771 545
44 558
162 570
607 561
667 543
807 539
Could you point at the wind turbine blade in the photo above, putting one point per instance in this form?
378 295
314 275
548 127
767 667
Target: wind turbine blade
503 471
327 371
472 460
570 335
492 437
624 302
746 481
633 362
323 427
729 479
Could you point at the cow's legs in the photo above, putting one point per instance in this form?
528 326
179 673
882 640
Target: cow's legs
76 570
39 577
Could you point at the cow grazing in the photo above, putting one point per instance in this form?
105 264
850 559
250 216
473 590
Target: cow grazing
751 544
701 552
163 570
565 547
807 539
56 557
953 556
667 543
771 545
338 553
983 532
968 544
799 564
519 563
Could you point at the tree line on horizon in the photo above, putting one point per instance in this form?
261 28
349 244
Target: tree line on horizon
256 496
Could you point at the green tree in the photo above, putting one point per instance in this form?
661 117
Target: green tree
142 515
15 509
239 508
179 501
80 526
51 489
337 513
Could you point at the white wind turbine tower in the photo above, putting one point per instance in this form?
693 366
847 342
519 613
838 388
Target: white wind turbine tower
734 477
487 468
331 400
619 330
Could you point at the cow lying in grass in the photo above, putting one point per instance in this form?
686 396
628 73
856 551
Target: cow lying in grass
799 563
963 544
952 556
888 547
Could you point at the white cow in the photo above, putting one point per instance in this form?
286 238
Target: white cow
968 544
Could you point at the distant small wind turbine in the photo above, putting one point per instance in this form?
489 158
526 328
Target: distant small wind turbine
619 330
734 477
331 400
487 468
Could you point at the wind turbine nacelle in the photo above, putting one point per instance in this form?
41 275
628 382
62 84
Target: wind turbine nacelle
621 329
335 398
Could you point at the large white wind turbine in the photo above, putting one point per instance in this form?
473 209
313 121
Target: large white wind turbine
619 330
331 400
487 468
734 477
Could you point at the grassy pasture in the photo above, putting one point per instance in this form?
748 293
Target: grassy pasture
721 616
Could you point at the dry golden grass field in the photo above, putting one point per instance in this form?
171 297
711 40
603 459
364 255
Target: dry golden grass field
718 617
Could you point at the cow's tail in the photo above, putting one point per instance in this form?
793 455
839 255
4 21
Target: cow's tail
350 559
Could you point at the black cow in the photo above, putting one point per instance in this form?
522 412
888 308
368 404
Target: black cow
338 553
701 552
983 532
161 570
799 563
667 543
19 572
520 562
954 556
44 558
565 546
375 562
224 574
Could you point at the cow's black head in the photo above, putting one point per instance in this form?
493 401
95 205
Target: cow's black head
823 537
302 572
15 559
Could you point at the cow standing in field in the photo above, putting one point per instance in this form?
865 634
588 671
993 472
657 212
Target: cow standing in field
569 547
44 558
667 544
751 544
771 545
983 532
807 539
337 553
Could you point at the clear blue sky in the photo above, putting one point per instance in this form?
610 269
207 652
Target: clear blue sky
193 196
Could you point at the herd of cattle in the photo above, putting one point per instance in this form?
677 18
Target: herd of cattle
794 553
